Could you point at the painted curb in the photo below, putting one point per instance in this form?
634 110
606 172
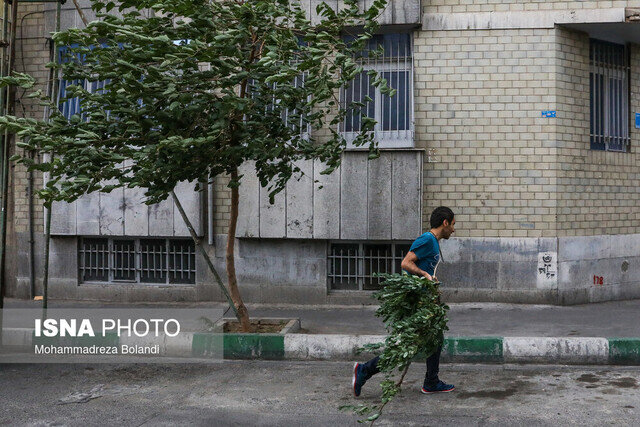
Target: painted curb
561 350
346 347
475 349
624 351
565 350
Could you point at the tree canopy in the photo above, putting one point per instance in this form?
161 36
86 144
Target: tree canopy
184 90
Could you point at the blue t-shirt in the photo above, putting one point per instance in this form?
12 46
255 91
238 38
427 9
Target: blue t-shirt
427 249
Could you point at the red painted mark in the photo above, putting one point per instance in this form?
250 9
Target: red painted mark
598 280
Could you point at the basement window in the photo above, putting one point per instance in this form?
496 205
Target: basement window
154 261
351 266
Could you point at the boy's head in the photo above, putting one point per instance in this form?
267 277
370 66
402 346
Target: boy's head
443 219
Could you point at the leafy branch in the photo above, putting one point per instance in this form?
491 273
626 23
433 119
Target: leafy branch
416 320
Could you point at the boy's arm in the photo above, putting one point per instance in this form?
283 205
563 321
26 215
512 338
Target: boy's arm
410 266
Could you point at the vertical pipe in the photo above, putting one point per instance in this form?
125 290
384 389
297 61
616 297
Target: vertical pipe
4 140
613 84
599 101
606 86
598 97
210 211
618 92
45 279
598 86
592 62
8 109
397 87
32 250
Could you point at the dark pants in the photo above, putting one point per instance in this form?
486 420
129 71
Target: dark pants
430 379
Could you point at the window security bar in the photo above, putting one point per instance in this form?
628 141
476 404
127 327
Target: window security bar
394 115
609 88
292 118
351 266
167 261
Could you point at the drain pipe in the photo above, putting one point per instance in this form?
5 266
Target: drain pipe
47 231
3 139
8 108
210 210
32 250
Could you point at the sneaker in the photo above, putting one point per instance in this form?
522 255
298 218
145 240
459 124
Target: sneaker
358 379
438 388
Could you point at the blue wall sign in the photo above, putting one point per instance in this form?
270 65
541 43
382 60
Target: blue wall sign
548 114
637 120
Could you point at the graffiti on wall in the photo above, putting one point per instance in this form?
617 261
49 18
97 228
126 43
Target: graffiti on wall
547 269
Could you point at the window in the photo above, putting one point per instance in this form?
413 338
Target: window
394 115
137 260
71 106
293 118
351 265
609 88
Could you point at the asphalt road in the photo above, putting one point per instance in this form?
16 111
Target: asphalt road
242 393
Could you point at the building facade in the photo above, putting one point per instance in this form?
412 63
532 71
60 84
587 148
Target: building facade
519 115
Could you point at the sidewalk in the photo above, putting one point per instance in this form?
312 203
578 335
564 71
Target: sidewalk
602 333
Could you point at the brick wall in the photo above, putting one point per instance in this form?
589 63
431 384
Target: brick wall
222 205
597 189
32 53
478 98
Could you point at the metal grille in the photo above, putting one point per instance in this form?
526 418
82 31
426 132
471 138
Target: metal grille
153 261
609 88
394 115
182 257
70 106
137 260
292 117
352 265
94 260
124 260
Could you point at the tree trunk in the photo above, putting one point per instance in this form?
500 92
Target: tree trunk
206 257
243 314
81 13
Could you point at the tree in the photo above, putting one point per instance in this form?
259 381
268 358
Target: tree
193 90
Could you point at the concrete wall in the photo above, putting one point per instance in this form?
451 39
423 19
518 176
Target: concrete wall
474 269
598 268
497 269
363 199
63 281
397 12
461 6
268 271
123 213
